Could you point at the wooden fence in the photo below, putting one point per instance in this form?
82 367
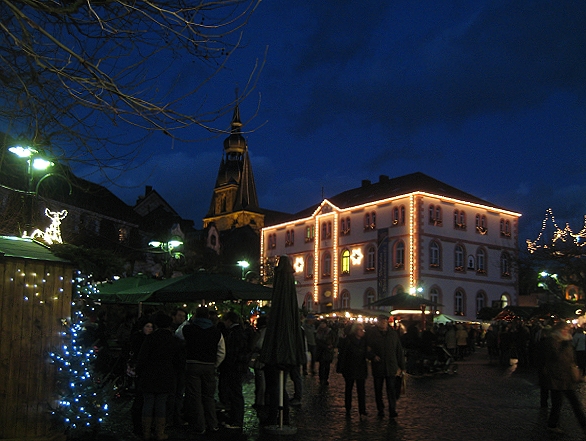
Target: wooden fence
35 295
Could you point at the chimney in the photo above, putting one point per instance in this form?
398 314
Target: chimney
148 189
365 182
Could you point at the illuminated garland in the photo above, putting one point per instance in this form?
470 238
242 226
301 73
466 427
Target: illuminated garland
82 404
565 234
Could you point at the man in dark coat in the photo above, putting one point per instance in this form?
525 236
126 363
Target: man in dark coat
157 364
388 362
204 351
233 368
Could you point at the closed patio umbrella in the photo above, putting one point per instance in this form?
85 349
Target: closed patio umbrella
283 344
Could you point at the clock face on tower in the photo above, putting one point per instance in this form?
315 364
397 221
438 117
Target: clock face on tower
328 294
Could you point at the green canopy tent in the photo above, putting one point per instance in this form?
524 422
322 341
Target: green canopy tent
200 286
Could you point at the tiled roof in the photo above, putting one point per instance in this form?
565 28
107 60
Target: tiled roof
387 188
26 249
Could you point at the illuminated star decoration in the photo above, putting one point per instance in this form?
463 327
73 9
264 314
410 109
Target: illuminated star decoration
356 256
564 235
298 265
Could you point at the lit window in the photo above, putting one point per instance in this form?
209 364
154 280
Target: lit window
309 233
122 234
346 261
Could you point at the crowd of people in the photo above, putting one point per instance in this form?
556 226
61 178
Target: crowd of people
190 372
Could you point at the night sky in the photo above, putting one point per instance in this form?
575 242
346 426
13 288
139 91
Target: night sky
487 96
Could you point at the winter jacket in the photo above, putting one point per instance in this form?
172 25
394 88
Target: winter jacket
387 347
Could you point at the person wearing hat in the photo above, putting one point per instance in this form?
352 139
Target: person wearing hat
387 362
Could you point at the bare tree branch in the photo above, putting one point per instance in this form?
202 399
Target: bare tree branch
75 73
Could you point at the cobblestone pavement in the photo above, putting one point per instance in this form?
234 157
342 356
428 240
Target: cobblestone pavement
482 401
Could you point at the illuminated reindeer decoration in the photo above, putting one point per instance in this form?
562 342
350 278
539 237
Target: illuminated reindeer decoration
53 232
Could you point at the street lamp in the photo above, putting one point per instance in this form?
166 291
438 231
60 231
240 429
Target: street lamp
243 264
168 249
34 162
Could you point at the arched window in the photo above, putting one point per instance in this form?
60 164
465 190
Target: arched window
370 262
308 302
402 215
459 302
309 233
309 266
481 224
370 221
480 300
459 258
434 254
327 264
504 301
480 261
344 226
459 220
435 215
396 216
369 297
399 255
434 296
346 261
345 299
505 265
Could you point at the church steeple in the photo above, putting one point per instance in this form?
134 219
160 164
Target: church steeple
234 201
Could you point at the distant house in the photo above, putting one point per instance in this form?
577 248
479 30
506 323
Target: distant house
410 234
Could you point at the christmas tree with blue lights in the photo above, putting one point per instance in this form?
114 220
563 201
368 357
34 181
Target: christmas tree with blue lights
82 405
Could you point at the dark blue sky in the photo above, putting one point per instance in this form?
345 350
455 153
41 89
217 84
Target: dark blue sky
488 96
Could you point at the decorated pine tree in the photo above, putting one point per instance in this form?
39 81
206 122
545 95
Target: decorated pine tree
82 405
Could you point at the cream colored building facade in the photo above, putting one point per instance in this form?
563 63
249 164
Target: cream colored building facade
412 234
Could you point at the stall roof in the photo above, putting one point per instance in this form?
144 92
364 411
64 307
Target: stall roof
26 248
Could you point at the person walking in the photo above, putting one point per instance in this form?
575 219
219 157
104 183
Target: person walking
353 367
325 340
387 362
559 366
157 365
204 351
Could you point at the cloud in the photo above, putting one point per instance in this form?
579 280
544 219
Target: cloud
494 58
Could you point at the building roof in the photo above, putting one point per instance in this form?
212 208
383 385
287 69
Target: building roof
26 249
388 188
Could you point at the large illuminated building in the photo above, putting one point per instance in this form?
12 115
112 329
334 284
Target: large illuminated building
411 234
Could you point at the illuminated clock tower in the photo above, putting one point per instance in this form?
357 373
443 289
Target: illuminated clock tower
234 201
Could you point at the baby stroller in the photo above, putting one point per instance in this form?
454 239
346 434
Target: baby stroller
442 361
